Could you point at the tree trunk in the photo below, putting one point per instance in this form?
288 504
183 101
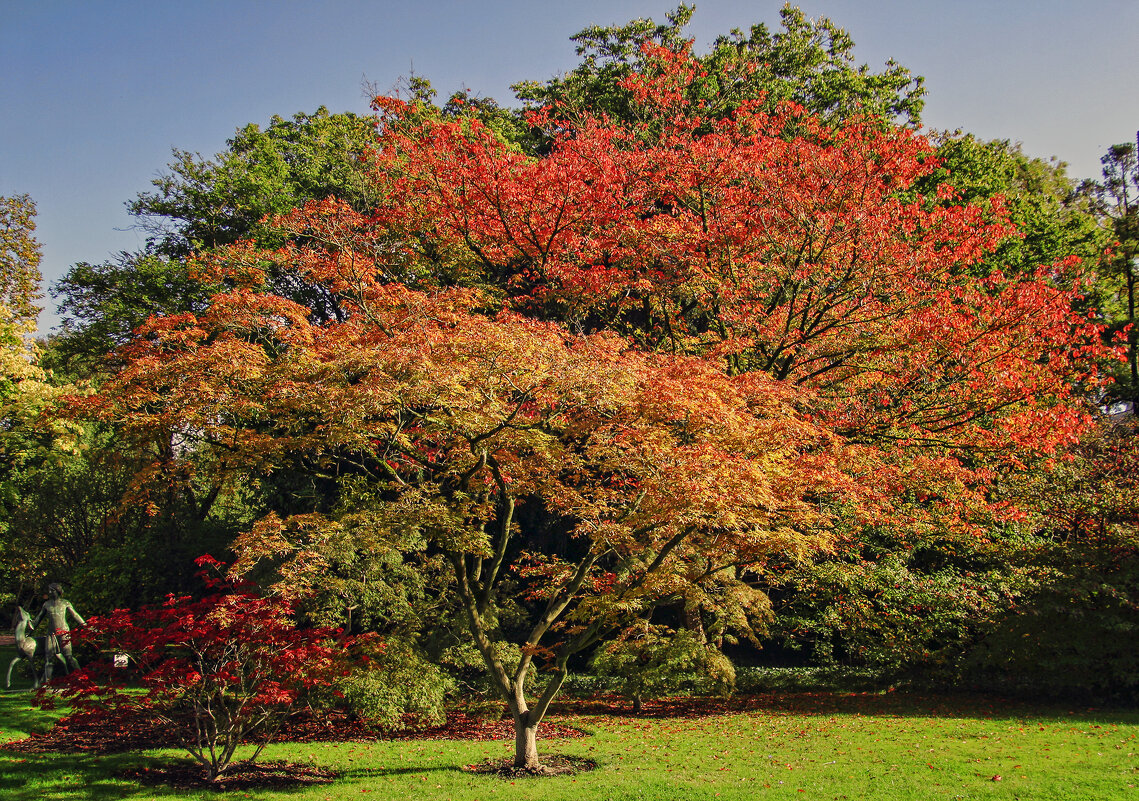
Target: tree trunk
694 621
526 743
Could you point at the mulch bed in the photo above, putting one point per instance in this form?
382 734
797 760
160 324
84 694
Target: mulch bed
552 765
239 776
84 733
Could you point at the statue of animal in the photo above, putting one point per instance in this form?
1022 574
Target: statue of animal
26 646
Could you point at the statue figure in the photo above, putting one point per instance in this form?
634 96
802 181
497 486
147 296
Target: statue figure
26 646
58 640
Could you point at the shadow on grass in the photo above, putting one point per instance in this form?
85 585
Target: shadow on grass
18 715
888 704
86 777
65 776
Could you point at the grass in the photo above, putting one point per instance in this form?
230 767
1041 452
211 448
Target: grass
809 747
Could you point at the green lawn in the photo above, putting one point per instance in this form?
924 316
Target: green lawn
813 747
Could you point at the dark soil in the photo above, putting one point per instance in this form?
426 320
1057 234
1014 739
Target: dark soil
552 765
238 776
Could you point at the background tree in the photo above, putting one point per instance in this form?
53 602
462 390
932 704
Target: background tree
27 443
1116 200
1052 217
1072 629
809 62
19 258
25 392
200 204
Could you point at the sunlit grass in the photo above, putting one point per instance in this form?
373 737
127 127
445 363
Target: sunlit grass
817 747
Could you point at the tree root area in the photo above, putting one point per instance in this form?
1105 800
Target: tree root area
552 765
238 776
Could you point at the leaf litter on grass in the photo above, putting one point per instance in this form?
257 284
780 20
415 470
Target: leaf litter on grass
872 747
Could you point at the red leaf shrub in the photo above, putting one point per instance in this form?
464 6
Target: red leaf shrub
230 666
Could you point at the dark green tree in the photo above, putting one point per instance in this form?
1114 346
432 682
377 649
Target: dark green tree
1116 200
808 61
202 203
199 204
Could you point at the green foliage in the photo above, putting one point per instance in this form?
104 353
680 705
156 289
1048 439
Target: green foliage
102 304
1054 220
78 517
203 203
199 204
1115 200
895 609
1049 606
830 678
399 680
1075 635
1074 630
471 690
19 258
650 661
809 62
31 442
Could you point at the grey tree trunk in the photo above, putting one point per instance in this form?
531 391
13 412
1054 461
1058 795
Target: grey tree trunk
526 743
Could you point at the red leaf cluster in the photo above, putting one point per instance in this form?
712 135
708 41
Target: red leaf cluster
216 670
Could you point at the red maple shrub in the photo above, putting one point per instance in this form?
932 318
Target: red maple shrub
227 668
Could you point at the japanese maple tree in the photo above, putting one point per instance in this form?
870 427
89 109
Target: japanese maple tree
575 475
228 667
693 339
772 243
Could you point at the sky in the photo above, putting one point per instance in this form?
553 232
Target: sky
94 94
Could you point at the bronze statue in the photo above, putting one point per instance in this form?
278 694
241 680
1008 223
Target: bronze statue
58 640
26 646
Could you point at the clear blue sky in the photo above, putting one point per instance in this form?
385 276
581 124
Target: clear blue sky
94 94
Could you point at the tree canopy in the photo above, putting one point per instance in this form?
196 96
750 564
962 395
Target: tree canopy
690 342
653 359
19 257
809 62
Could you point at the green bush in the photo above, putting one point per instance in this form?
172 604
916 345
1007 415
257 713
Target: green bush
652 661
399 680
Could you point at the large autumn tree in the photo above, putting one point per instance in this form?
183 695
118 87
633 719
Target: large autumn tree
817 259
568 481
805 258
685 329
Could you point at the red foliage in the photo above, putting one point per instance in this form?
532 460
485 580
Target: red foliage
227 667
710 334
808 257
